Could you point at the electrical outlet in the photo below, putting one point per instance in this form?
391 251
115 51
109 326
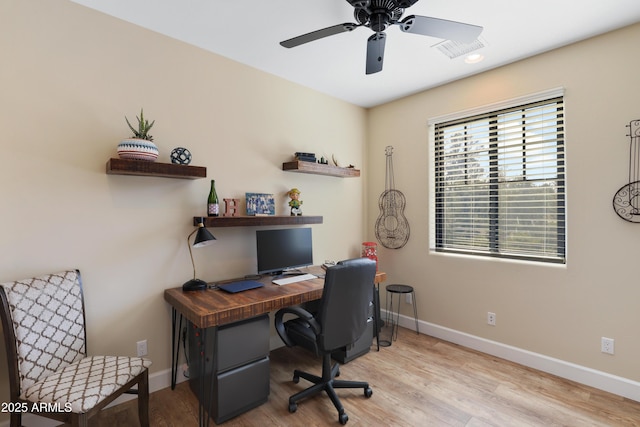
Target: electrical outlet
607 345
491 319
142 348
408 298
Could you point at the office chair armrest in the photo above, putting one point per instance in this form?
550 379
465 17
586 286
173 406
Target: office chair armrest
302 314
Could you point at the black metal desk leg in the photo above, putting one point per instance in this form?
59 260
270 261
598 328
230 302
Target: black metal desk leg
175 347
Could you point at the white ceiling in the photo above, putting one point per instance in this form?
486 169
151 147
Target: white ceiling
249 31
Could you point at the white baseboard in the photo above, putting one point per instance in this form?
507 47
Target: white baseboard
580 374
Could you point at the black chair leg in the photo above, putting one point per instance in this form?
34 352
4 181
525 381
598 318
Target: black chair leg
327 383
307 376
336 401
307 392
350 384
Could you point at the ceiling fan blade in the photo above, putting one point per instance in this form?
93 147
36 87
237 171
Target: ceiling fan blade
375 52
319 34
440 28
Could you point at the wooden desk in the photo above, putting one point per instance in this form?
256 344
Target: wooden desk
213 308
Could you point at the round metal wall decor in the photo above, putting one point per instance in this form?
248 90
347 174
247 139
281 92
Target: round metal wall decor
626 201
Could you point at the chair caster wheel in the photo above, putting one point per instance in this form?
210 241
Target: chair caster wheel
368 392
296 379
343 418
293 407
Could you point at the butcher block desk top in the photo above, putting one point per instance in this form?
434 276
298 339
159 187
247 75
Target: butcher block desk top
214 307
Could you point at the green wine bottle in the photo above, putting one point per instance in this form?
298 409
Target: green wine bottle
213 206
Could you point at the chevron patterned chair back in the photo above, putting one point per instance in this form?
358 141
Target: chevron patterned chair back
50 373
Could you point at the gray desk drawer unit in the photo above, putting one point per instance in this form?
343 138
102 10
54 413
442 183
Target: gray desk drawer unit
238 356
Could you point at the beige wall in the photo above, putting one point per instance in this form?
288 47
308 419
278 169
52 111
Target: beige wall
557 311
69 75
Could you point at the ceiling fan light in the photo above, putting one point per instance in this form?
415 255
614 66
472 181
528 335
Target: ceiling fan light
474 58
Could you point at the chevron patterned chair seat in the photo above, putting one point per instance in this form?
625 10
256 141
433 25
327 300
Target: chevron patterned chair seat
50 373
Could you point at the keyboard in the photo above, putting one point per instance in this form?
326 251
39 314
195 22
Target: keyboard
294 279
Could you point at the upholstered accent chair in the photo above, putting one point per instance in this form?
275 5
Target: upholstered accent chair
341 319
50 373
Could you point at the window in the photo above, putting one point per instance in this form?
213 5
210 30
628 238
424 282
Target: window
499 182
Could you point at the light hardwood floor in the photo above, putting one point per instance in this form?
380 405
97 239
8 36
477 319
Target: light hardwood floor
418 381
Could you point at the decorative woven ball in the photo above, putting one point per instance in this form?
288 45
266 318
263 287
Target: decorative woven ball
181 156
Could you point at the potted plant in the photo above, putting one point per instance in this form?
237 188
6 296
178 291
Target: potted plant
140 145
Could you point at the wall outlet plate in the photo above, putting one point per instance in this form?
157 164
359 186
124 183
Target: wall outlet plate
491 319
607 345
141 347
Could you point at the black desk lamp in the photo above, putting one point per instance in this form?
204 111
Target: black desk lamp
203 238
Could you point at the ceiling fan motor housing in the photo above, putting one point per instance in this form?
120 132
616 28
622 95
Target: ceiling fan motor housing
359 3
379 21
406 3
403 4
378 14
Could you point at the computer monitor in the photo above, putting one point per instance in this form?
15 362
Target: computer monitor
283 249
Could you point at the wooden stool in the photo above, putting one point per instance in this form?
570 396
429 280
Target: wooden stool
399 290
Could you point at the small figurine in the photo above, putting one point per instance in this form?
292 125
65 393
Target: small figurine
295 202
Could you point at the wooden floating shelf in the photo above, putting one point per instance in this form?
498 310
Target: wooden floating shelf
145 168
320 169
248 221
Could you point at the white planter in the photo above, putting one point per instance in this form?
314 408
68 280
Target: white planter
137 149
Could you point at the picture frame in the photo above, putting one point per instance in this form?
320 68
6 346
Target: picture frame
260 204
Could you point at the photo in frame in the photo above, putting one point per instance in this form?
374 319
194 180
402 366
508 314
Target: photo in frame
260 204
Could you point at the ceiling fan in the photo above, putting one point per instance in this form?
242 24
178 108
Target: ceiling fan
378 15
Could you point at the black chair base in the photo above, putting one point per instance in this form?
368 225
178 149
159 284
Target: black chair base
328 383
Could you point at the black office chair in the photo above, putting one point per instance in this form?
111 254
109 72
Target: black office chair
341 319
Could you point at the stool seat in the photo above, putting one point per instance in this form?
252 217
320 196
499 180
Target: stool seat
400 289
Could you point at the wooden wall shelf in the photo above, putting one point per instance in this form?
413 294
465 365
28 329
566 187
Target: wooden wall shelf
249 221
144 168
320 169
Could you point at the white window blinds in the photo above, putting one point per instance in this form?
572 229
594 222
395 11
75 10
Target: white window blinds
500 183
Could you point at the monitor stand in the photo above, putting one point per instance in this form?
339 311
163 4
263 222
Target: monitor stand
286 273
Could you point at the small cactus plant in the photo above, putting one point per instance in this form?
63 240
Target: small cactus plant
143 127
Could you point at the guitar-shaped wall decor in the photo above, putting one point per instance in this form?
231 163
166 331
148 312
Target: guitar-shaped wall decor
392 227
626 202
